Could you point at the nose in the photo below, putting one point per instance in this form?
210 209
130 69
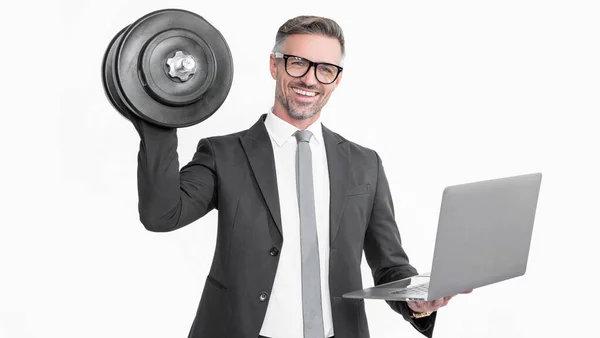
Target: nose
309 78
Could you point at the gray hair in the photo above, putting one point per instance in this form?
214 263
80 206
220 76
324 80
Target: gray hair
309 25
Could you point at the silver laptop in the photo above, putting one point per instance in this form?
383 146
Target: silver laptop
483 237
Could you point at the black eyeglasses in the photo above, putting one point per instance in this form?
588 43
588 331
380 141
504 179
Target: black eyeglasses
297 66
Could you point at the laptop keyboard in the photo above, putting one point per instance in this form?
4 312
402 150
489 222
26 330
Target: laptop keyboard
417 290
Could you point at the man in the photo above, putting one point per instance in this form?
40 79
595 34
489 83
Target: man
297 205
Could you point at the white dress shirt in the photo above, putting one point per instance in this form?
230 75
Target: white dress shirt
284 312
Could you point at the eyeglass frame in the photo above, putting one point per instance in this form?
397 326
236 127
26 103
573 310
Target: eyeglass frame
285 57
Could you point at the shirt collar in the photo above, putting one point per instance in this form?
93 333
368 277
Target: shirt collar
281 131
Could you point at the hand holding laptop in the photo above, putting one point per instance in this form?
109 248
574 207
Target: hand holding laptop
483 237
421 306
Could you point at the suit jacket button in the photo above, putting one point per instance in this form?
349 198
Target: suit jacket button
263 296
274 251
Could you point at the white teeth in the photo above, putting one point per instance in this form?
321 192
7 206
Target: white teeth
302 92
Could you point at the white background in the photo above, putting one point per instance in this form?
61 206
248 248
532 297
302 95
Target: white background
446 91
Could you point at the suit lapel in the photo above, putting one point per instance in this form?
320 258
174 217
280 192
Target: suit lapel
338 162
259 150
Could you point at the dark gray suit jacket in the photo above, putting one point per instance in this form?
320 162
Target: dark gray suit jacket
236 175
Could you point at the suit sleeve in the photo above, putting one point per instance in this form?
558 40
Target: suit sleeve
384 253
170 198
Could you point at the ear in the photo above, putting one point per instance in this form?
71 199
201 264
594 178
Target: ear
273 66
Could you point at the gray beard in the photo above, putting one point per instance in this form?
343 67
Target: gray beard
293 113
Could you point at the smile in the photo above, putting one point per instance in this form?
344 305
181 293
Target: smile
303 92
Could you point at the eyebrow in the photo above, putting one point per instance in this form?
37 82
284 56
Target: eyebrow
304 57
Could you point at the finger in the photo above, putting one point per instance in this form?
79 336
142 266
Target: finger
416 306
436 304
446 300
466 292
430 306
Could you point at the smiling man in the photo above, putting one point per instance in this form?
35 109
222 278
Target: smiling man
303 87
298 206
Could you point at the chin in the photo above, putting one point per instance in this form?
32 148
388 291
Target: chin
302 116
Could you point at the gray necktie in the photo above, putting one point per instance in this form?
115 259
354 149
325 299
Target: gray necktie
311 273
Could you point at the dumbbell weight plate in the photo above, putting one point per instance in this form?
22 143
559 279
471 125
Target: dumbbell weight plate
138 78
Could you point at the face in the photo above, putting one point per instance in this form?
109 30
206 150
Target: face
304 97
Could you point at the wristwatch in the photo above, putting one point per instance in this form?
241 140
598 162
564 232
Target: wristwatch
420 314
